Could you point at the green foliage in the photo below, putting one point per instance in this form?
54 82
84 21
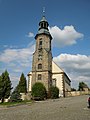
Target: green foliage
54 92
22 86
5 86
81 86
39 91
15 96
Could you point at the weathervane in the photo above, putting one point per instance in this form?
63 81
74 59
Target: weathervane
43 11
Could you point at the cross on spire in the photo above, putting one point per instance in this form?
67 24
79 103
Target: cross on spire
43 11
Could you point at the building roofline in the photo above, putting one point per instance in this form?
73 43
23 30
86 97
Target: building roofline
67 76
43 34
58 65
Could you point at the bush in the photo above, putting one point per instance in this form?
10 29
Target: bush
39 91
54 92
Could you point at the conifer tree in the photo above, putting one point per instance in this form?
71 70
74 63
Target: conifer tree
15 96
22 86
5 86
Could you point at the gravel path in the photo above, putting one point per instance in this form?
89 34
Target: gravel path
71 108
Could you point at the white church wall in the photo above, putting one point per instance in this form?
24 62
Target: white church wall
57 73
59 82
67 87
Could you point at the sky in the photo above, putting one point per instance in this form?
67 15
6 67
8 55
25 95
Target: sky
69 25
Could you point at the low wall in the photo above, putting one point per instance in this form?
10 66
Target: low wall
76 93
26 96
67 94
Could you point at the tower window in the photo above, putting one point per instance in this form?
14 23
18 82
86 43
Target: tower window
39 66
41 25
40 44
39 76
45 25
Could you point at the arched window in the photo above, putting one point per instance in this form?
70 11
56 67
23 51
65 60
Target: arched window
41 25
40 43
39 66
54 82
39 77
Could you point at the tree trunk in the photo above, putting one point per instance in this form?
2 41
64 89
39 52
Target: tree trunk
2 100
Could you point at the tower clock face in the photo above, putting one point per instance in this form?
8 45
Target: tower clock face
39 57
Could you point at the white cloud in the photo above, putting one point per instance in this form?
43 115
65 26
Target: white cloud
12 55
16 61
30 34
67 36
76 66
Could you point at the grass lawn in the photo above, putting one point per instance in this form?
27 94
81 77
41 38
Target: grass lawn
8 104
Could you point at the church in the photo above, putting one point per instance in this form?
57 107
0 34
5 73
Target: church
44 69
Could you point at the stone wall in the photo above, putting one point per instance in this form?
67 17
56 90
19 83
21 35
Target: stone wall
26 96
76 93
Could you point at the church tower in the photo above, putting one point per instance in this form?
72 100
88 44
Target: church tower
42 57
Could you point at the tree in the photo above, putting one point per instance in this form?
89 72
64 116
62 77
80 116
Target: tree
54 92
15 96
39 91
5 86
81 86
22 86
